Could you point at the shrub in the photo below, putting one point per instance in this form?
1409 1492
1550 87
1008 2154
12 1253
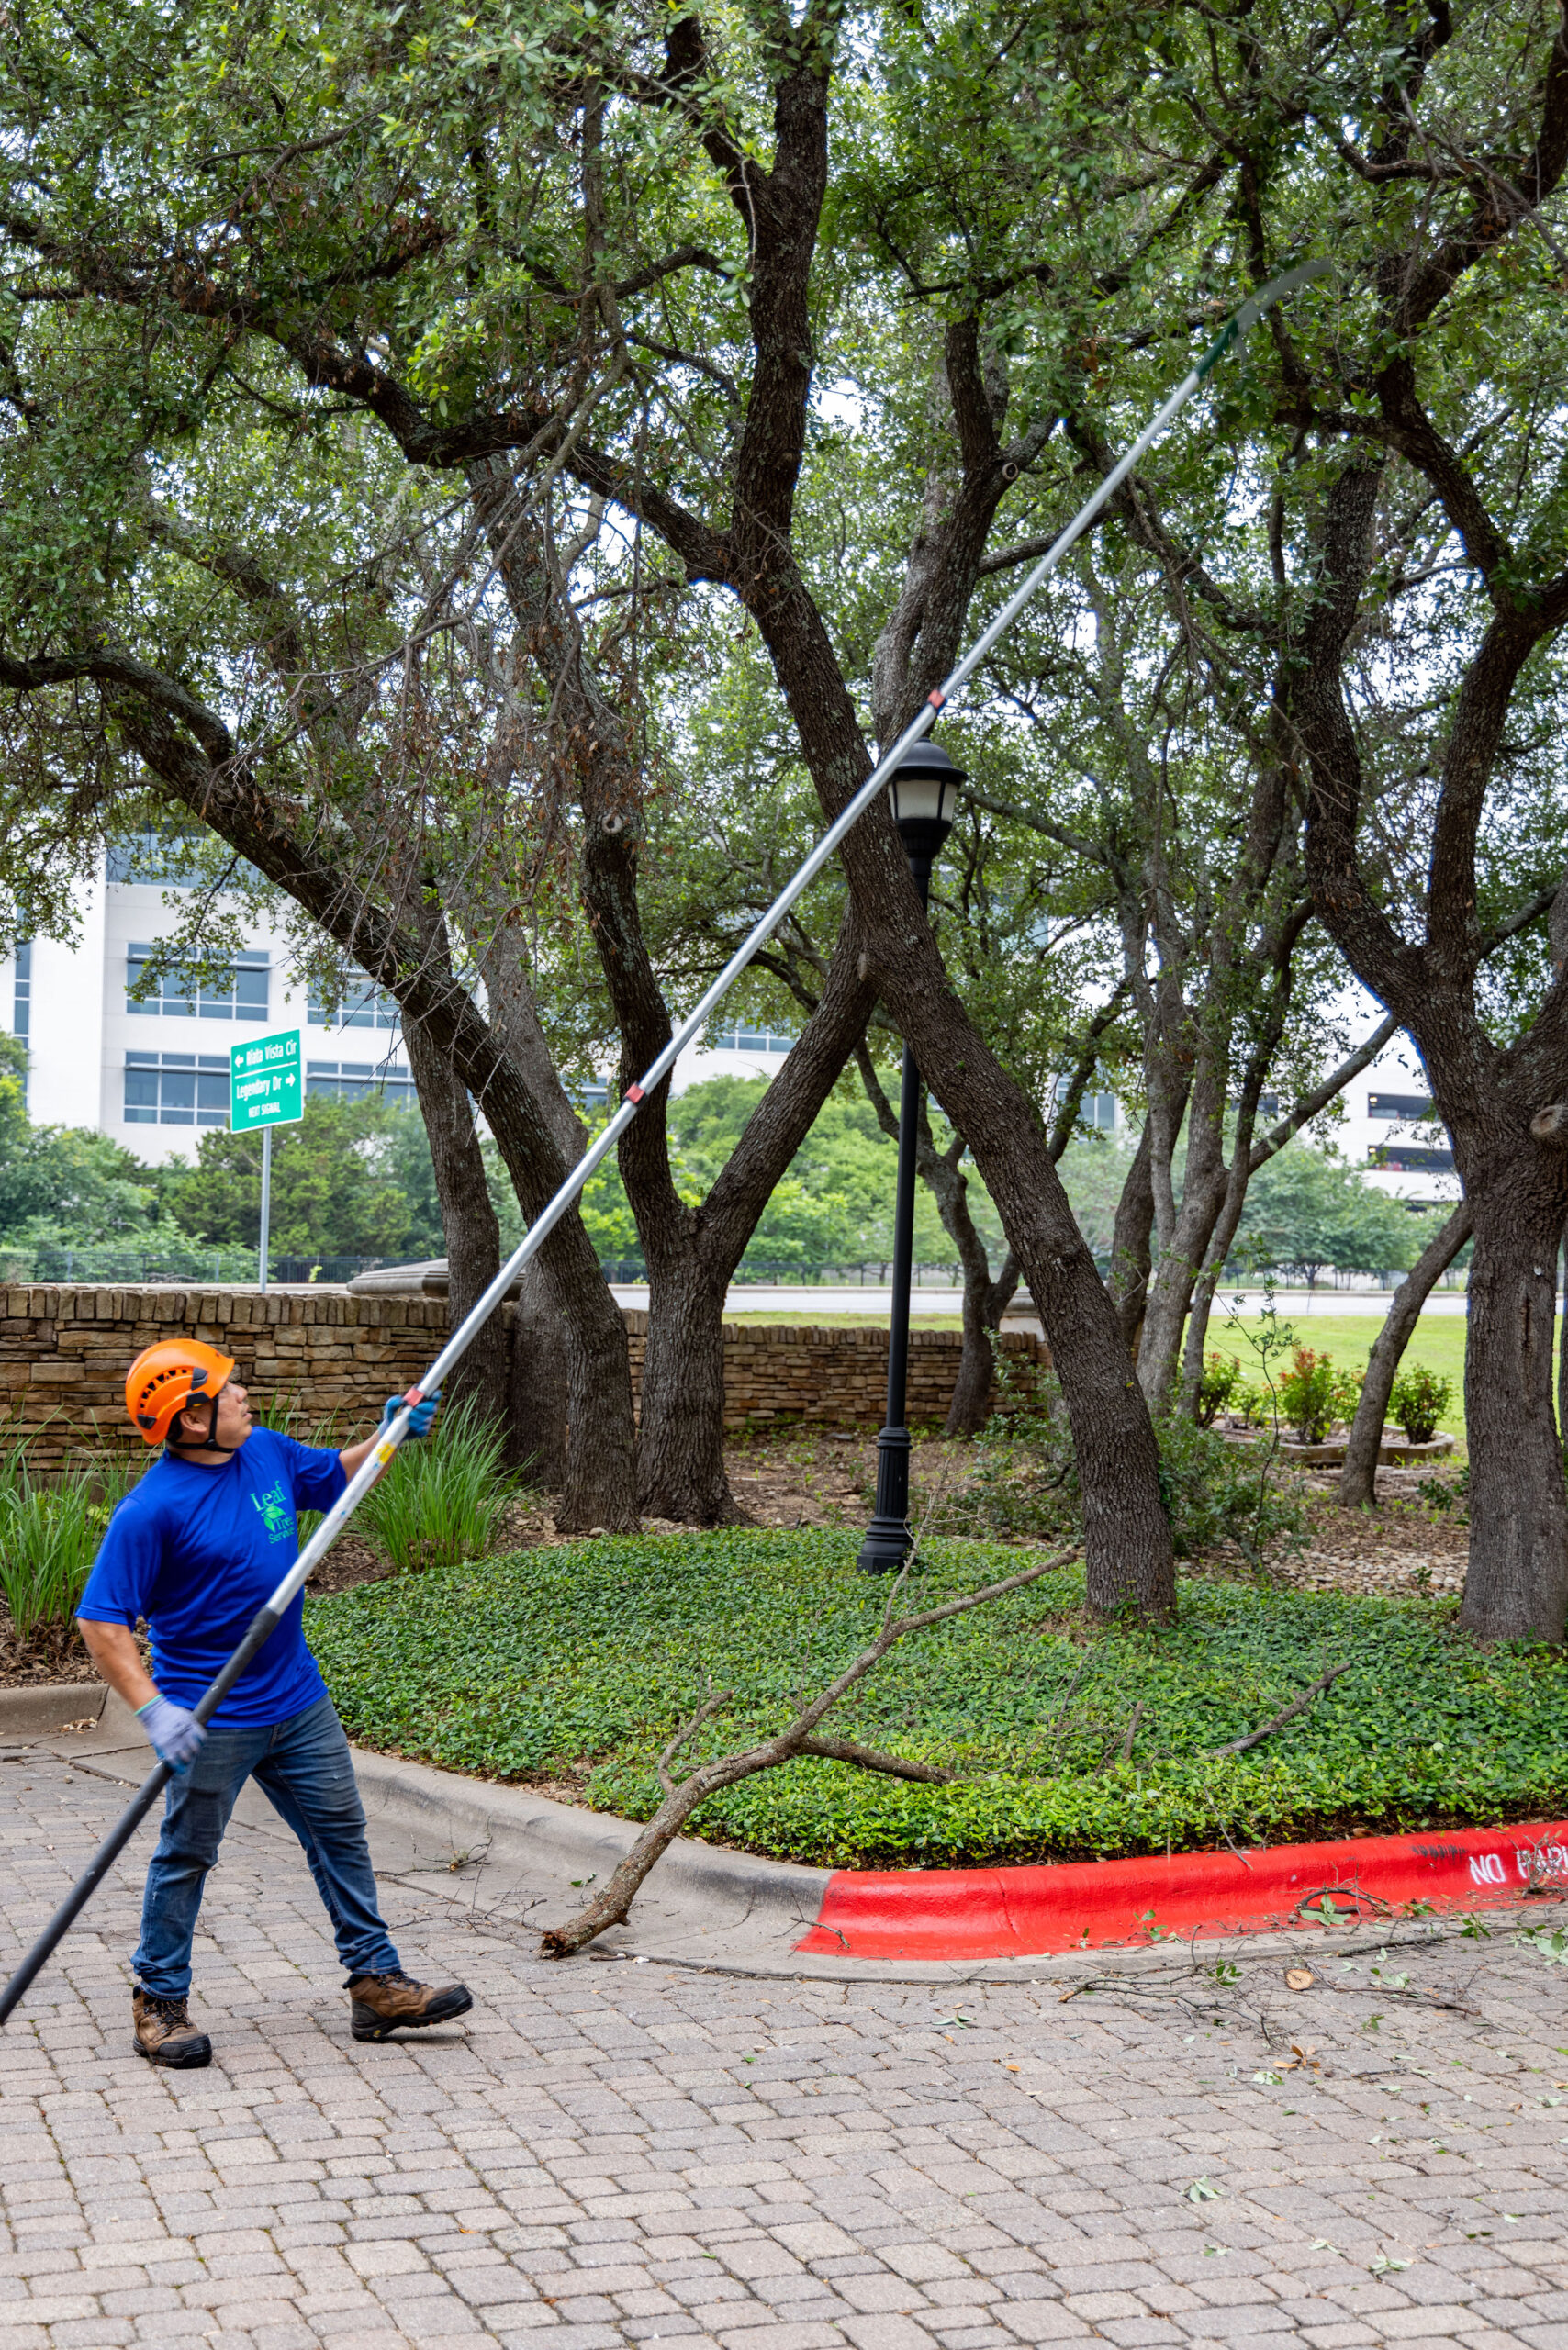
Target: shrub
444 1499
1217 1493
1219 1388
1313 1395
1418 1402
1025 1483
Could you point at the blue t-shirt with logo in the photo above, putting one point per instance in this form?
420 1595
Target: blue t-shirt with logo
197 1549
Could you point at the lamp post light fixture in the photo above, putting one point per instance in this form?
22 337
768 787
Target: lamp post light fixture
925 795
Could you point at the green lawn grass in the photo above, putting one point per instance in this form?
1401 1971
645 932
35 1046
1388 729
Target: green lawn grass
583 1658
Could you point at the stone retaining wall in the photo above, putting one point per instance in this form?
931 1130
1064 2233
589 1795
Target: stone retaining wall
781 1371
328 1355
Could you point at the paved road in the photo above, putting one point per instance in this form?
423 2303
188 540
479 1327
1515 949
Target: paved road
799 1304
619 2152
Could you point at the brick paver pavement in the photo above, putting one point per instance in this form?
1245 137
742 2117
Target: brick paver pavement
622 2152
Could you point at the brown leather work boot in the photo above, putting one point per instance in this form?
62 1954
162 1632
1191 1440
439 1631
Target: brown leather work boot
383 2004
165 2034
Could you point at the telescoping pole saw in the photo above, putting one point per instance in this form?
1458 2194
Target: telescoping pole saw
462 1338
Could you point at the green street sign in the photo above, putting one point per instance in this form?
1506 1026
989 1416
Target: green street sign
266 1087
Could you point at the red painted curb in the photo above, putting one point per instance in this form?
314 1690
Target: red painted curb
1094 1905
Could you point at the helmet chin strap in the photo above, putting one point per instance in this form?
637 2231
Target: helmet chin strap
209 1443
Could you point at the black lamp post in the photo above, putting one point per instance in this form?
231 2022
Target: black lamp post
925 794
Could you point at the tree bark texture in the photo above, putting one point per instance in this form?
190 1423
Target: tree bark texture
1358 1479
1131 1249
538 1403
1517 1585
468 1220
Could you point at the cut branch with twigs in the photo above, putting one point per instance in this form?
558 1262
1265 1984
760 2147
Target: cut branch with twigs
682 1797
1298 1705
869 1758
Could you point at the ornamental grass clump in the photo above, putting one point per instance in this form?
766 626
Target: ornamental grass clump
49 1535
1418 1402
445 1499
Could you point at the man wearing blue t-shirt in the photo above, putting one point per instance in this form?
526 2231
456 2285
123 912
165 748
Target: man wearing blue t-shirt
196 1550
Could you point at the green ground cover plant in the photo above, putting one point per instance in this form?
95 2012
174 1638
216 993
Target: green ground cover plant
578 1661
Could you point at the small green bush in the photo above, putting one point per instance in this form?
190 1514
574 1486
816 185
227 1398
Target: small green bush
1418 1402
1025 1484
1219 1388
444 1497
1217 1493
1313 1395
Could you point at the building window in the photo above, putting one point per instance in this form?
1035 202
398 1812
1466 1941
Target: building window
176 1090
739 1039
238 993
360 1006
166 859
22 998
357 1080
1097 1111
1417 1106
1396 1158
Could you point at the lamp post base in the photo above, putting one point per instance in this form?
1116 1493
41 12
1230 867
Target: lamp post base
888 1539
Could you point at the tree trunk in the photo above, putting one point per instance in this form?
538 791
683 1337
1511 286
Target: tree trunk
680 1447
985 1303
1177 1268
1562 1364
1517 1587
1358 1479
1131 1253
985 1300
468 1220
537 1407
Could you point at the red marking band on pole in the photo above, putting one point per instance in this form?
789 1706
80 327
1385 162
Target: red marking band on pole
1096 1905
937 701
633 1094
415 1395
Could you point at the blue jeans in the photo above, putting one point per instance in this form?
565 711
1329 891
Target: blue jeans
306 1768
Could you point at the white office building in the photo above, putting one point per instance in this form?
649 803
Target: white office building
153 1074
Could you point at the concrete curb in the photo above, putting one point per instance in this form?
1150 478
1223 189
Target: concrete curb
30 1713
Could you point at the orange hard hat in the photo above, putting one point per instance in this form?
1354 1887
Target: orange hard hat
165 1378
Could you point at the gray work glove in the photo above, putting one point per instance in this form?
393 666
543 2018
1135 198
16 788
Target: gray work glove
175 1735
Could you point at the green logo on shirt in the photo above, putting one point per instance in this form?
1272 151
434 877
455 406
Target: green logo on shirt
277 1515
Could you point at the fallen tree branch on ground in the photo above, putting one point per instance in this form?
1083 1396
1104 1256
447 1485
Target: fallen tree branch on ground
867 1758
682 1797
1298 1705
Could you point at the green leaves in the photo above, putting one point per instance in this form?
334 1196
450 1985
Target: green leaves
581 1658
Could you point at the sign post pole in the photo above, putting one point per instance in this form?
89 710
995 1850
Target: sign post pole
265 1089
266 1200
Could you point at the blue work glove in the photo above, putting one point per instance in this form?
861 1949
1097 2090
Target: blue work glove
419 1419
176 1736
